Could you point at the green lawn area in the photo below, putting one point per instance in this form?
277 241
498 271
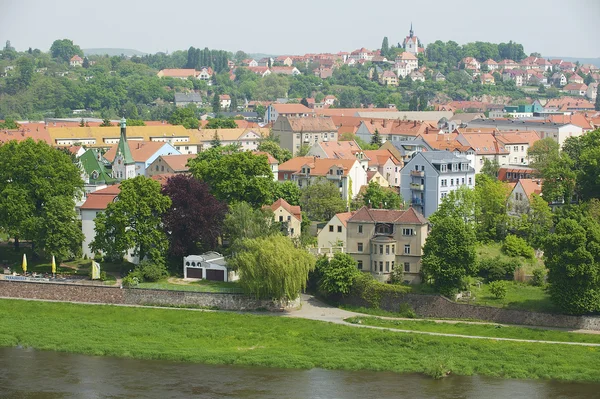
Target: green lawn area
271 341
197 286
494 249
518 296
482 330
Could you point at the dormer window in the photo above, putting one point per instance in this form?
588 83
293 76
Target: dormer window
443 168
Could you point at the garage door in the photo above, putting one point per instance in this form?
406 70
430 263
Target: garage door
215 275
193 272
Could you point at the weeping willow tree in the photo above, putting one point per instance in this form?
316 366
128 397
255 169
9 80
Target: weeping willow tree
272 268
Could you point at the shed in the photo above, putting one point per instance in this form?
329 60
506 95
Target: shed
208 266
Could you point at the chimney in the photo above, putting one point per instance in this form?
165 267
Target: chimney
384 122
414 123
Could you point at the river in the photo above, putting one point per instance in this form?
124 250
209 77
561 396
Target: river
31 374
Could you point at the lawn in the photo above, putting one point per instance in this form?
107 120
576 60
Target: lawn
518 296
482 330
494 249
197 286
254 340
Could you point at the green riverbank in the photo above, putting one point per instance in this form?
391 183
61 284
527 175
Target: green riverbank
272 341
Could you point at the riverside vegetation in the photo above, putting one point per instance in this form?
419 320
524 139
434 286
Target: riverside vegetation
245 339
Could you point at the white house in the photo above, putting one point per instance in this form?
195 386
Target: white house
209 266
95 203
334 232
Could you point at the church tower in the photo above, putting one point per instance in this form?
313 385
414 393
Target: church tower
123 165
411 42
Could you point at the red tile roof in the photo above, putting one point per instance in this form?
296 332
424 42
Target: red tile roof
293 209
409 216
99 200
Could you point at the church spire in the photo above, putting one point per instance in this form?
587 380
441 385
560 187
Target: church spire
123 147
411 30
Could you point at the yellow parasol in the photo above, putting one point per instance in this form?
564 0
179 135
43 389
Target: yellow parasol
24 265
53 265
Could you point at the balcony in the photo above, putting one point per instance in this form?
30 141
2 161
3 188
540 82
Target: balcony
417 173
334 177
416 186
417 201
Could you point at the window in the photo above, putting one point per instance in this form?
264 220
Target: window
407 249
444 182
360 230
462 181
331 229
381 250
407 267
285 176
470 181
292 231
387 266
480 161
393 248
187 147
360 246
289 218
451 182
454 167
387 249
359 264
380 266
522 148
339 229
443 168
281 218
407 232
516 148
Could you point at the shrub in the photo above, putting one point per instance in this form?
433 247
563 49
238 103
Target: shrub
397 276
152 270
130 281
493 269
372 291
498 289
103 276
98 258
406 311
338 274
516 246
539 277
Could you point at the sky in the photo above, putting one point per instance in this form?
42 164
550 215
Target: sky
550 27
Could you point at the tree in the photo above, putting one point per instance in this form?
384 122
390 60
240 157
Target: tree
539 221
458 204
271 147
303 150
337 274
584 152
321 200
184 116
543 152
194 221
86 63
35 179
380 197
449 255
133 222
105 123
288 190
65 49
244 222
272 268
216 103
216 141
235 177
385 47
490 168
491 196
135 122
221 123
376 139
25 71
572 256
304 102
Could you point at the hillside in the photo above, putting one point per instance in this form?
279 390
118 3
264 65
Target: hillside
112 51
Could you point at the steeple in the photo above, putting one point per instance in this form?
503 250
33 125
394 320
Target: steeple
123 147
411 30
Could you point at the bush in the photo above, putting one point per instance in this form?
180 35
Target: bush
372 291
516 246
338 274
397 276
539 277
152 270
130 281
493 269
98 258
498 289
103 276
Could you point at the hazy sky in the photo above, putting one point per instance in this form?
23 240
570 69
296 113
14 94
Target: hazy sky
551 27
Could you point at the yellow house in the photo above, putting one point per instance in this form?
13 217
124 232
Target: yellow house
289 216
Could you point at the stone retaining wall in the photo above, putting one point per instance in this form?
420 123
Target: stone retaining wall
136 296
436 306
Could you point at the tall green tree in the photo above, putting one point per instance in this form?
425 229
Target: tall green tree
133 222
379 197
216 103
490 168
34 178
385 47
271 147
288 190
65 49
491 196
572 256
376 139
272 268
337 274
584 151
58 229
459 204
321 200
449 255
244 222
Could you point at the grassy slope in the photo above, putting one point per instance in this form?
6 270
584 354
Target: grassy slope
198 286
518 296
484 330
228 338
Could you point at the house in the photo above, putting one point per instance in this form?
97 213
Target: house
487 79
334 233
225 101
416 75
410 59
261 71
96 170
428 177
247 139
295 110
471 63
347 174
518 144
544 64
362 54
392 130
507 64
381 240
177 73
592 91
439 77
388 78
402 69
330 99
486 147
185 99
250 63
285 70
386 164
559 79
169 164
206 75
265 62
76 61
490 64
335 150
208 266
294 132
95 203
411 43
517 75
575 89
285 60
512 173
289 216
575 78
273 163
404 150
519 198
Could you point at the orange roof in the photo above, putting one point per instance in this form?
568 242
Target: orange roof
318 166
101 198
380 157
531 186
576 119
293 209
178 73
25 133
406 128
409 216
318 124
163 178
343 217
483 143
141 151
270 157
350 111
340 149
528 136
177 162
291 109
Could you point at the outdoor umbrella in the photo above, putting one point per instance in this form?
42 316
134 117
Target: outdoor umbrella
53 265
24 266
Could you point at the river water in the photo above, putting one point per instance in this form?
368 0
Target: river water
30 374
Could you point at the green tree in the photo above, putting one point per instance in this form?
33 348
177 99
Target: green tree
380 197
221 123
35 179
244 222
25 71
133 222
303 150
584 151
216 103
65 49
184 116
321 200
135 122
491 196
288 190
272 268
490 168
459 204
105 123
337 274
385 47
376 139
449 255
235 177
539 221
58 229
271 147
216 141
572 256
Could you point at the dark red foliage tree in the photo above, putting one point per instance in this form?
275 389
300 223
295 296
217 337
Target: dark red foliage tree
195 219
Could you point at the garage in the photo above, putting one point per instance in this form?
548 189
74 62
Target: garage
215 275
194 272
208 266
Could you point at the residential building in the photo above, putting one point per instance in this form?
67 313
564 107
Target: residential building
294 132
381 240
262 71
289 216
517 144
410 59
592 91
486 147
439 77
575 89
417 76
285 70
559 79
185 99
512 173
296 110
169 164
206 75
334 233
487 79
209 266
558 131
347 174
250 63
247 139
335 150
392 130
428 177
76 61
490 64
518 200
402 69
388 78
285 60
517 75
471 63
95 203
386 164
225 101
